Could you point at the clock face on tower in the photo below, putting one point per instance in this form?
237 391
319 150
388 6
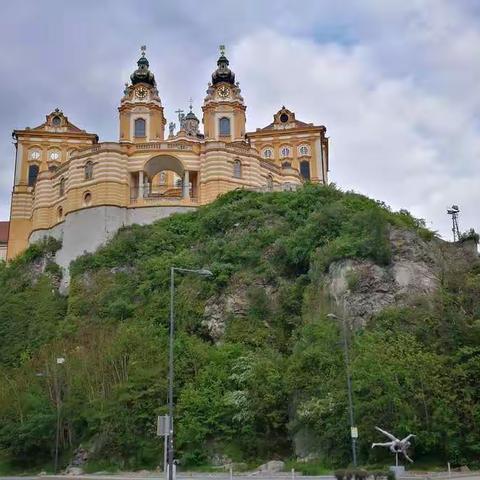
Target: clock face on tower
224 91
141 93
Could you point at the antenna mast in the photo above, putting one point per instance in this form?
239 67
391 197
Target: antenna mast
454 211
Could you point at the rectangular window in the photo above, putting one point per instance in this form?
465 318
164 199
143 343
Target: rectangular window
140 127
224 126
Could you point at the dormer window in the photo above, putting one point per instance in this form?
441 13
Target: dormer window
224 126
140 127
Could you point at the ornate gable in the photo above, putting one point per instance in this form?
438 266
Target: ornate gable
284 119
57 122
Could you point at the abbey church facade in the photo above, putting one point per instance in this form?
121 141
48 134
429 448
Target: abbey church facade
71 186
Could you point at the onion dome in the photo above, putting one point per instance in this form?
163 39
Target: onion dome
190 122
223 73
142 74
191 116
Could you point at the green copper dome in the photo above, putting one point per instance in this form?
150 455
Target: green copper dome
142 74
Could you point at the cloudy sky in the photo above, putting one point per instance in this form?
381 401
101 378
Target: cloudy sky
396 83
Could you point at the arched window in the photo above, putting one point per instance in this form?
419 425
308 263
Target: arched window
285 151
303 150
89 170
237 169
267 153
35 154
54 155
140 127
269 183
32 175
305 170
60 213
224 126
61 188
87 199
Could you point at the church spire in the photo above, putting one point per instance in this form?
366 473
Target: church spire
142 74
223 73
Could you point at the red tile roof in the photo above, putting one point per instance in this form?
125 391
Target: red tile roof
4 231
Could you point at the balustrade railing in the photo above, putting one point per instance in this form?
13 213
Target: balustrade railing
162 193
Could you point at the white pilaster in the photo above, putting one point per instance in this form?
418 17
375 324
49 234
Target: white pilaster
186 184
140 184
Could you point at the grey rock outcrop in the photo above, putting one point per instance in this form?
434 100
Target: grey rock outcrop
360 288
274 466
233 303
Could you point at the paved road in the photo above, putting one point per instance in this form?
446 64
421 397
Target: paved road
180 476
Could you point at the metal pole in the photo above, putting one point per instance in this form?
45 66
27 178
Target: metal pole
349 388
57 433
165 449
170 376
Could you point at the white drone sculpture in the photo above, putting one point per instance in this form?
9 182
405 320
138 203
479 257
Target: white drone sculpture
396 445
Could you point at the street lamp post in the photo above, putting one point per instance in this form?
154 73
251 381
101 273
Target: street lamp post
353 429
57 386
58 401
204 273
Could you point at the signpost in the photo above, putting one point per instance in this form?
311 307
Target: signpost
163 426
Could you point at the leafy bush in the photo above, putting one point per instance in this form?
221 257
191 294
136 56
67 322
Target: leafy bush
470 235
277 372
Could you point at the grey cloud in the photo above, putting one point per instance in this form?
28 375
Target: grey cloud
77 55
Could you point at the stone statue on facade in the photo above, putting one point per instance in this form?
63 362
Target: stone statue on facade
181 118
396 445
171 129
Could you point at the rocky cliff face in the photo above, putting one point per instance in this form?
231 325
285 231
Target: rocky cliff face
359 289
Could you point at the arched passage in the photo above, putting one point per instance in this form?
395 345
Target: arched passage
163 176
161 163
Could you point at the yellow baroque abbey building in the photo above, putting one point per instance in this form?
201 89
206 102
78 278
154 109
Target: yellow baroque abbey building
71 186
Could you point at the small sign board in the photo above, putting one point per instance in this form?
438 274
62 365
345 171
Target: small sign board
163 425
354 432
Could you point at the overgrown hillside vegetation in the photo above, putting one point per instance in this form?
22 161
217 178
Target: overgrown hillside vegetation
259 366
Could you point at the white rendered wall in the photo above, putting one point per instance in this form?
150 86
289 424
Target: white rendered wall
85 230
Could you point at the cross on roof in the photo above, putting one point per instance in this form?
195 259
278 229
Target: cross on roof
191 102
222 50
143 48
